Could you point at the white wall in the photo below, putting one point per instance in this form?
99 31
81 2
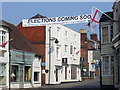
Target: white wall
58 31
90 60
5 59
54 60
36 68
71 40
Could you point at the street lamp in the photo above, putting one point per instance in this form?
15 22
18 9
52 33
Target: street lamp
56 41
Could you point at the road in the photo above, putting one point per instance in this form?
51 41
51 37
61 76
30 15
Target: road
88 84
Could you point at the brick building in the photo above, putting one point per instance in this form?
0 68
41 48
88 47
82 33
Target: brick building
84 53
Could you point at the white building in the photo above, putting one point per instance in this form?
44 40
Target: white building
22 69
70 60
4 55
62 61
36 72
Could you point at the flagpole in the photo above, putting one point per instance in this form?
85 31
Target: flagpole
103 13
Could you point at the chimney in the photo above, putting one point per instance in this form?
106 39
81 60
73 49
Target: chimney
83 31
83 37
94 37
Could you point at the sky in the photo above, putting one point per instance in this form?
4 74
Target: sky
15 12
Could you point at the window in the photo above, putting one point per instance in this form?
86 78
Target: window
71 49
64 60
119 23
66 34
105 36
57 52
74 50
27 76
66 46
14 73
81 59
2 74
112 65
111 33
75 56
2 53
58 33
75 37
36 76
106 65
2 37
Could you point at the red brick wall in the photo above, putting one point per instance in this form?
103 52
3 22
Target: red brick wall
84 48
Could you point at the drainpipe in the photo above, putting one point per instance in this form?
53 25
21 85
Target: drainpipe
100 63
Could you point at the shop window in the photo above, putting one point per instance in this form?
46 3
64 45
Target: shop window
36 76
14 73
73 73
2 74
27 73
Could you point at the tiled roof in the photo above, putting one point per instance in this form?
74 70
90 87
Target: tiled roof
90 47
105 18
38 16
19 41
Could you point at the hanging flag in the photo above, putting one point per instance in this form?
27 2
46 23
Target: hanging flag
78 52
3 44
95 17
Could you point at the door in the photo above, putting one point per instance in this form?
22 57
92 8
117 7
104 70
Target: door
56 75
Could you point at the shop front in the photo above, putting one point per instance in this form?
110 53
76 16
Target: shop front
21 69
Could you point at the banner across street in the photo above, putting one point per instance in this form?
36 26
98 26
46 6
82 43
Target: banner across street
56 20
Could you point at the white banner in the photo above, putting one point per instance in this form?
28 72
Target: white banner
56 20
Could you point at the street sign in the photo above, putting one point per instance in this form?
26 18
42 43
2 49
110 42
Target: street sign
43 64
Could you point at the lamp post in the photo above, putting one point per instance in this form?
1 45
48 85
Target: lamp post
9 60
56 41
49 53
81 65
